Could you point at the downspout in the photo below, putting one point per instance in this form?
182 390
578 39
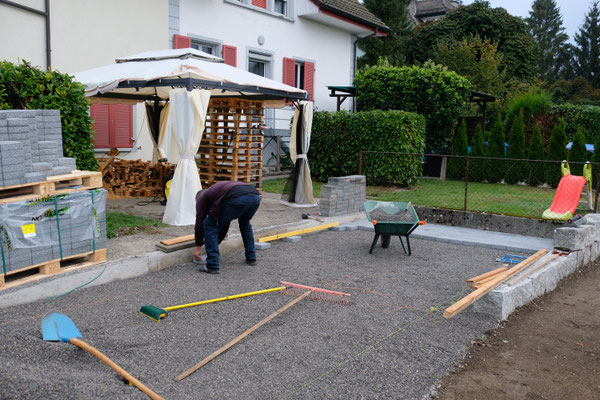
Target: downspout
355 63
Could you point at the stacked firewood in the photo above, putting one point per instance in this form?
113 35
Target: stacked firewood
135 178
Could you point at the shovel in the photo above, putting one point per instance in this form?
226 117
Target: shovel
58 327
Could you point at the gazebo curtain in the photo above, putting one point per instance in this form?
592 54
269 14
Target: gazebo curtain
188 116
301 192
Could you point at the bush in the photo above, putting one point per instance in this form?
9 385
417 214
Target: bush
456 166
439 95
556 151
25 87
536 175
578 153
495 148
516 149
532 104
337 138
588 117
477 167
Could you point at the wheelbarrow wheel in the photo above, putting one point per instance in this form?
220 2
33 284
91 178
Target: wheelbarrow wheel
385 241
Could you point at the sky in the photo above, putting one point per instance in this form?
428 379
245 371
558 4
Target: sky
572 11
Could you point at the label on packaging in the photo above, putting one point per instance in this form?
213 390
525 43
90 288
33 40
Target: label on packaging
28 230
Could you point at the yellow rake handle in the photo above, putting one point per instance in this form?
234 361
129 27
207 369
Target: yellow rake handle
235 296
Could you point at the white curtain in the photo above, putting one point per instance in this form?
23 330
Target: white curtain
188 116
299 145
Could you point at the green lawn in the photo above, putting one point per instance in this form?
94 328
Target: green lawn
119 224
482 197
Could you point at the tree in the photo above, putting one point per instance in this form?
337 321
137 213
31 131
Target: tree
556 152
477 166
516 149
495 24
393 46
546 27
495 149
587 49
578 152
456 165
536 175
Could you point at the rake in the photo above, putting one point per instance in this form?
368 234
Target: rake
292 289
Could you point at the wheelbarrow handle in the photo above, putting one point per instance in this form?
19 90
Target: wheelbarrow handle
95 352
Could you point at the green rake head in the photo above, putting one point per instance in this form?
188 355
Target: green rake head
153 312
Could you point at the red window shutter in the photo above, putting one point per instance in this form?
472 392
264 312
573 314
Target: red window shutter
181 42
230 55
122 125
289 71
260 3
309 79
100 126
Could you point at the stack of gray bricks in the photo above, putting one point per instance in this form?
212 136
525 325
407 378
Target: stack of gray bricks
11 162
80 228
40 135
343 195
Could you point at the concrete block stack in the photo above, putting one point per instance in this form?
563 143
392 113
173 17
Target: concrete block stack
11 161
39 134
52 228
343 195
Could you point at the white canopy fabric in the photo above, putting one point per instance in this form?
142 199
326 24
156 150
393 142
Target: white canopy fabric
188 117
299 145
152 74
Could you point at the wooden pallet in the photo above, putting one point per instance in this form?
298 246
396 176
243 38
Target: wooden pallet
53 267
58 184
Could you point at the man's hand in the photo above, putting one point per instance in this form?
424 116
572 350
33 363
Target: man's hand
198 253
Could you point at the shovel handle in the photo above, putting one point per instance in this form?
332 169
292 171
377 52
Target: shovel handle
92 350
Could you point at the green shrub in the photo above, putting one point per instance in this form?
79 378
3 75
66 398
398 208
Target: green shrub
578 153
532 104
495 148
588 117
337 138
25 87
456 166
536 175
516 149
556 151
477 167
437 94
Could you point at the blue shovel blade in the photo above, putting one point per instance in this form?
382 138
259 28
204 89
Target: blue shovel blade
56 327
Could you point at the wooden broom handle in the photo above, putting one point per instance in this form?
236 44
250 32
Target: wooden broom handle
92 350
237 339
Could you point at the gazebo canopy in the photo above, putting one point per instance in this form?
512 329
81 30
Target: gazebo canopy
150 76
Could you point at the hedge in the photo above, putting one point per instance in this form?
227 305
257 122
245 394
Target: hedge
337 139
25 87
439 95
588 117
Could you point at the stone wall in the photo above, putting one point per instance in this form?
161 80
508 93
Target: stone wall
343 195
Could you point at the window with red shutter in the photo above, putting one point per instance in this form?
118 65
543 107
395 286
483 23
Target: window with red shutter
230 55
289 71
181 42
260 3
101 125
309 79
113 125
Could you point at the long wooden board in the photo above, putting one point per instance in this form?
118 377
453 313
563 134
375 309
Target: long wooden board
532 270
482 277
489 286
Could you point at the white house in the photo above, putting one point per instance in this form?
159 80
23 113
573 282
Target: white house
309 44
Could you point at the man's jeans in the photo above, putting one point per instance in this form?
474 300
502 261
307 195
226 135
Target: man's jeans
243 208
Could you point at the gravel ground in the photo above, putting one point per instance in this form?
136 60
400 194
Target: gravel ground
390 342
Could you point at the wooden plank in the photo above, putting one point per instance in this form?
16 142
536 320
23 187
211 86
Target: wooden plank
177 240
532 270
489 286
298 232
487 274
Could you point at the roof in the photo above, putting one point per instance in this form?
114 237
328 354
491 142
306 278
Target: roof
419 9
353 10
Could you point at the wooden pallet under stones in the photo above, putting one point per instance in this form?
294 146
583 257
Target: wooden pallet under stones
53 267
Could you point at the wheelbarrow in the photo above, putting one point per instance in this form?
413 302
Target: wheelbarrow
392 219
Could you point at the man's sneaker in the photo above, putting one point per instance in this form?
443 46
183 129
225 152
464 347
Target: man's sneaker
201 261
204 268
250 262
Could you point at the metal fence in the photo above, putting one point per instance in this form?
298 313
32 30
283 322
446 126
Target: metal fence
518 187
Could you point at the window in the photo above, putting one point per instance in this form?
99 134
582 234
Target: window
206 46
280 7
300 74
113 125
299 69
260 63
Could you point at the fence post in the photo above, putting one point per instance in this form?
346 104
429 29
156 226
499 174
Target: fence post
466 181
443 168
278 154
360 162
597 189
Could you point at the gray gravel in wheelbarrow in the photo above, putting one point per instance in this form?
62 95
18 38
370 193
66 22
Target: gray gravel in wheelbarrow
390 342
